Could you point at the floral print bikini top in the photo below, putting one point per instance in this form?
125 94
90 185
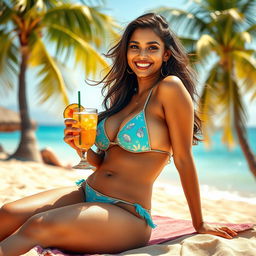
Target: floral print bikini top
133 136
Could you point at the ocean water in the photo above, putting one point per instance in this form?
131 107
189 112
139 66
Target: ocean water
218 168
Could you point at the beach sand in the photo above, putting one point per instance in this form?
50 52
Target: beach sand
19 179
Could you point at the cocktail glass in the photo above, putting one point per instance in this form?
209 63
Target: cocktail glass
87 121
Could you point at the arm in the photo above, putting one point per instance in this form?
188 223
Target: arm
179 113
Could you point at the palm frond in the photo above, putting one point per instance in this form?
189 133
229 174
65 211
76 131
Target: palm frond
248 8
225 31
226 23
212 5
233 111
86 22
96 2
206 45
190 46
84 53
75 17
240 40
5 12
183 21
69 77
240 113
207 104
23 6
188 43
252 31
225 102
8 61
245 68
231 13
51 84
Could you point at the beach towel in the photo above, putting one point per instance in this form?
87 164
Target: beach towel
167 229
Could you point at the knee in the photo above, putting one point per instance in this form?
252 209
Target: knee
8 211
34 227
39 228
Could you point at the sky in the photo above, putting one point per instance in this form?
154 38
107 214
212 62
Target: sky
123 12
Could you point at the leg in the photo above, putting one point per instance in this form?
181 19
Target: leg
49 157
14 214
85 228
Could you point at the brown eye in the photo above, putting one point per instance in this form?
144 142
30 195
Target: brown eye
153 48
133 46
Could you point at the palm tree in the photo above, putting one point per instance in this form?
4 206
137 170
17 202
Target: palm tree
219 36
27 28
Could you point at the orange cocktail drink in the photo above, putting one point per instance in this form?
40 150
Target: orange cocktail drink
87 122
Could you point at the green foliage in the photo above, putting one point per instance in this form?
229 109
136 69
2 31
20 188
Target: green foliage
8 61
224 31
70 31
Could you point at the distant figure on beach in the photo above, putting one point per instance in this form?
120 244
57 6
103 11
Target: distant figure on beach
149 118
49 157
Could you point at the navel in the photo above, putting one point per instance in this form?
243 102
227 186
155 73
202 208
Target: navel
109 174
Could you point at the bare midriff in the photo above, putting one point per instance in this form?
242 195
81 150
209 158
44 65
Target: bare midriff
128 176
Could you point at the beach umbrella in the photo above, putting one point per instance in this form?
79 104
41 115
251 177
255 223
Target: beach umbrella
10 120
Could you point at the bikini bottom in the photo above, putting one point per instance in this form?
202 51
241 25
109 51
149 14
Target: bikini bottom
92 195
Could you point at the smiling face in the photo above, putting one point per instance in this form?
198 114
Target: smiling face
146 53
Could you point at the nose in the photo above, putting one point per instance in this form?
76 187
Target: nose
143 52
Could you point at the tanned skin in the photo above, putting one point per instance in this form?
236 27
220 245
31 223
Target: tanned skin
61 217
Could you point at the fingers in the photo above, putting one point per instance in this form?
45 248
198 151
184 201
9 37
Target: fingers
70 121
71 130
226 232
70 133
70 137
222 231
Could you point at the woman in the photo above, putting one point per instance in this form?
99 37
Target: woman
149 117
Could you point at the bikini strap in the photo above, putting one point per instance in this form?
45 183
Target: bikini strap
151 90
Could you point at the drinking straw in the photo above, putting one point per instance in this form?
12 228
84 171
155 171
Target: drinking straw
79 101
79 117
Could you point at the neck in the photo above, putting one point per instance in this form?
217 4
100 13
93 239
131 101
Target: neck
146 83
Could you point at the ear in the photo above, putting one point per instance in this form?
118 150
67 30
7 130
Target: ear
167 55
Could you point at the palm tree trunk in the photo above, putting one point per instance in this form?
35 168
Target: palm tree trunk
27 149
249 156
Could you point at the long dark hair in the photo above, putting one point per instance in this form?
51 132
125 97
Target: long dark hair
121 85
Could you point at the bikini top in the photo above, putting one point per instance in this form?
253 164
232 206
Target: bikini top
132 137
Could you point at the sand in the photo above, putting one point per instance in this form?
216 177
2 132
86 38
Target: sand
19 179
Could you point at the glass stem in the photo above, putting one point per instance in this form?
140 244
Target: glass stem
84 156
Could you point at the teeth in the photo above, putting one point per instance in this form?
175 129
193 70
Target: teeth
143 65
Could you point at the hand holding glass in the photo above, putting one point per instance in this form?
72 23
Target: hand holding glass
87 121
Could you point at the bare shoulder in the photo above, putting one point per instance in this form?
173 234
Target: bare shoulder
171 88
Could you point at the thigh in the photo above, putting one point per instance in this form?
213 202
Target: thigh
91 228
44 201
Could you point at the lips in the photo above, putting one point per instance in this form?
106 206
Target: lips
143 64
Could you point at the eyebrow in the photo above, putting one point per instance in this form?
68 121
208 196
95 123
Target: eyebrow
151 42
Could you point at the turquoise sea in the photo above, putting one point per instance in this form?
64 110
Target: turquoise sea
217 168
